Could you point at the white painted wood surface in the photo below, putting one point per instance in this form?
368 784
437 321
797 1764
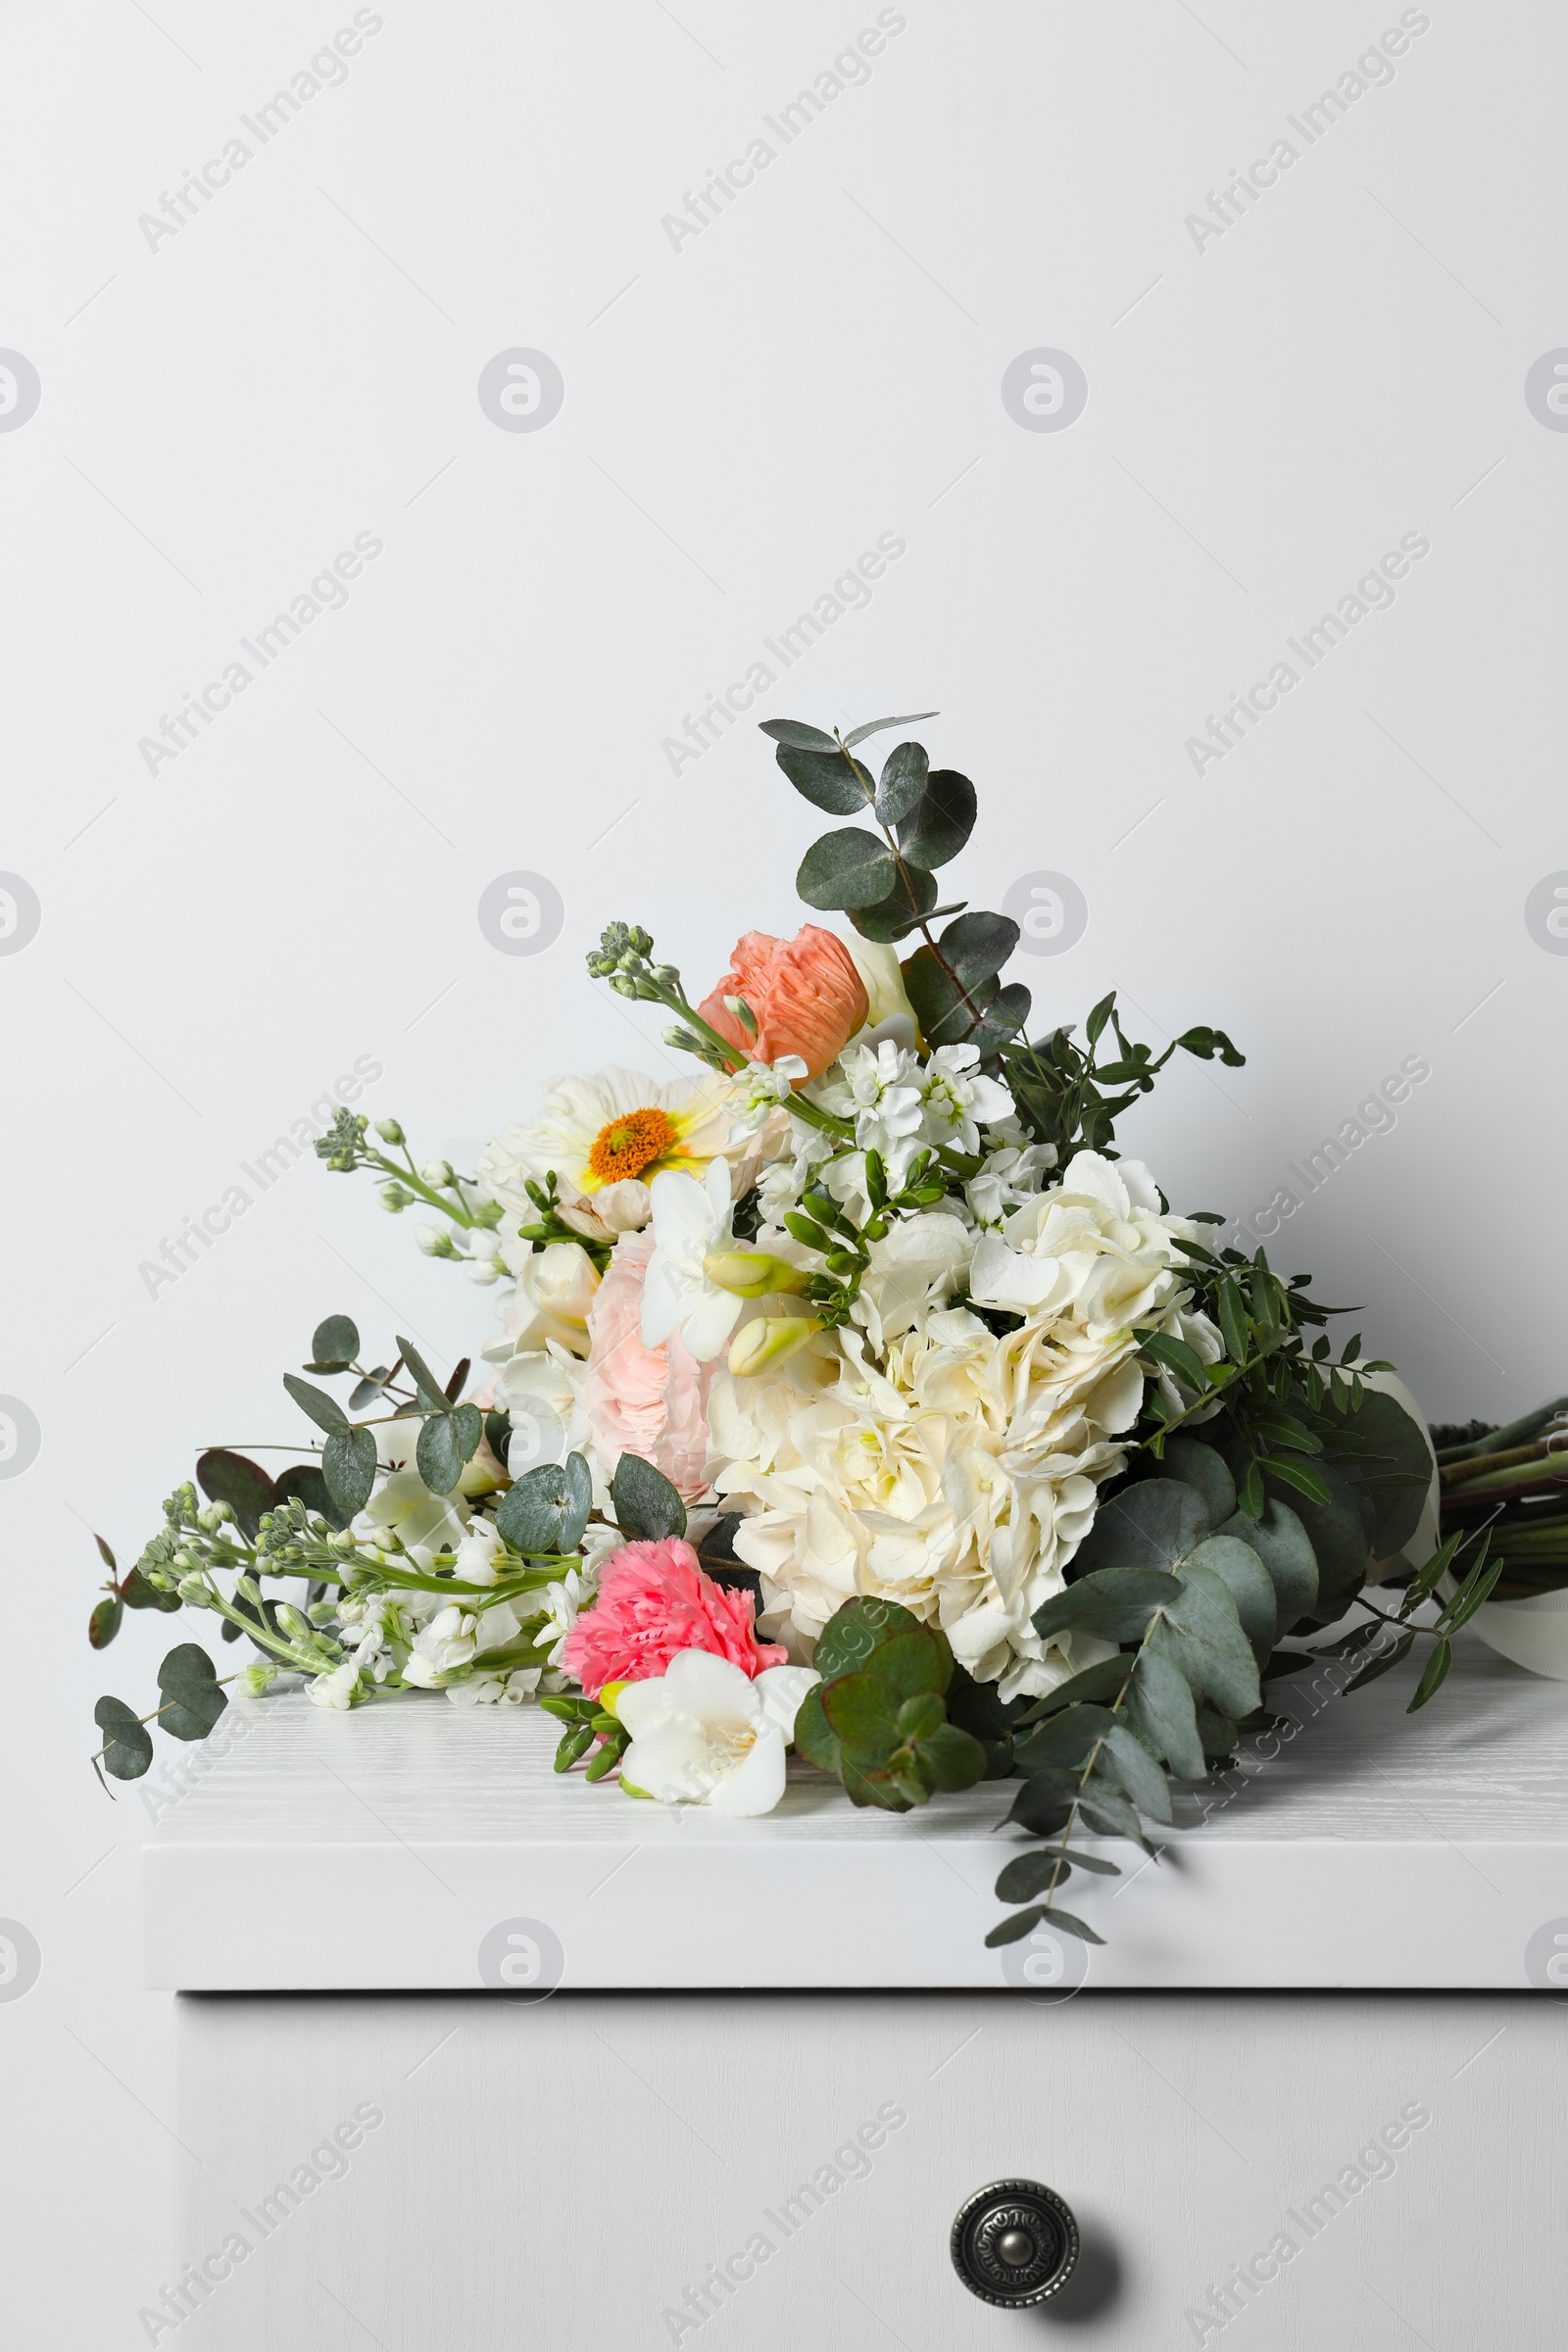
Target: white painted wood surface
381 1850
566 2173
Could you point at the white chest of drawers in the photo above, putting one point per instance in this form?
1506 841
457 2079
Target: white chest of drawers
473 2055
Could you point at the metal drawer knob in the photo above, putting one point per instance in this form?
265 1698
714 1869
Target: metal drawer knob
1015 2243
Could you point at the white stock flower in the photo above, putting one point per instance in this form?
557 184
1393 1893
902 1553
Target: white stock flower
691 1220
444 1642
339 1688
957 1099
880 1088
705 1734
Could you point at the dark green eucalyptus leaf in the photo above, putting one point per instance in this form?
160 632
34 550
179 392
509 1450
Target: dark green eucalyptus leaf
1002 1018
920 1716
1251 1587
911 1664
1160 1709
1045 1802
798 735
498 1435
1392 1456
862 1712
879 726
851 1635
1067 1739
902 782
106 1620
348 1470
946 1012
942 819
1106 1809
128 1743
911 898
468 1424
977 945
1203 1468
1203 1635
138 1594
1150 1526
438 1455
335 1345
815 1737
950 1759
1285 1549
1104 1680
1015 1928
324 1410
187 1681
826 779
1031 1874
646 1504
1126 1759
847 869
1071 1925
1217 1731
432 1396
242 1483
533 1515
304 1483
1335 1530
1117 1603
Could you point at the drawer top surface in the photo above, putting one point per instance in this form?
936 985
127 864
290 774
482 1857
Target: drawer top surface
319 1848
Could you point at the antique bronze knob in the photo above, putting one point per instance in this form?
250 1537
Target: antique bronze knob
1015 2243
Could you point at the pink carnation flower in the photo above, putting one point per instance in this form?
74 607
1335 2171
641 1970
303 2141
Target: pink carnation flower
647 1400
654 1601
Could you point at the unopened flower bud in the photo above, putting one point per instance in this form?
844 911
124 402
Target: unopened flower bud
395 1197
768 1339
434 1240
389 1131
752 1273
292 1623
254 1680
742 1013
321 1612
193 1591
436 1172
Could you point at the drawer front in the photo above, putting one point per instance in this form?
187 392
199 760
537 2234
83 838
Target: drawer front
776 2170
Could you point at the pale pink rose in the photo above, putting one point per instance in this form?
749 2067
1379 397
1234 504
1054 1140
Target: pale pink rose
654 1601
647 1400
807 997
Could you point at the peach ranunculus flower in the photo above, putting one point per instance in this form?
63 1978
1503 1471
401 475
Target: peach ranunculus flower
647 1400
654 1601
805 993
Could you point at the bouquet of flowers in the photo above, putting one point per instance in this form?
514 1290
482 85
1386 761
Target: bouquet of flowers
852 1395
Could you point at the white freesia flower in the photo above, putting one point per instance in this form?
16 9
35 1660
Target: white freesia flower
705 1734
555 1292
889 1014
691 1221
1009 1176
424 1523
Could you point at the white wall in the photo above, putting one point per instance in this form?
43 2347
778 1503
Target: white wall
223 409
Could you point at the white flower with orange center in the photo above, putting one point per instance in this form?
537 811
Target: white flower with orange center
605 1138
